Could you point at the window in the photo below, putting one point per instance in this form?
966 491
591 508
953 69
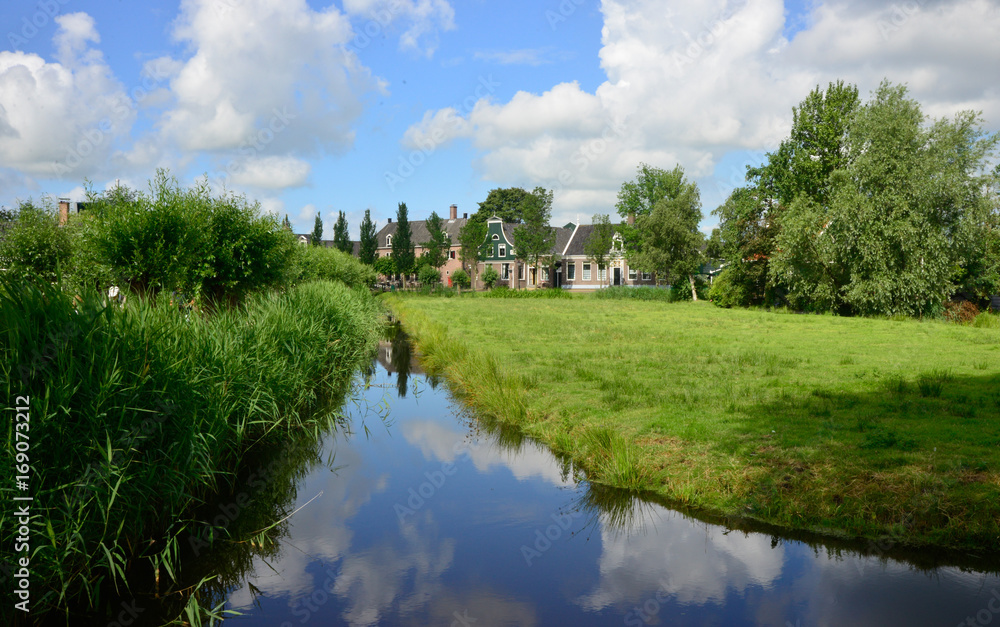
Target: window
570 271
503 251
646 277
451 254
631 274
505 271
545 275
602 273
388 240
520 272
496 237
586 272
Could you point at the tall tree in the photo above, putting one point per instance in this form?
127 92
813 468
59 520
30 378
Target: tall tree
436 248
637 199
341 238
402 242
472 239
316 237
534 239
368 249
286 223
745 242
598 245
505 203
902 213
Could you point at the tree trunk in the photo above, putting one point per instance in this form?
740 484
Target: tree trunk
694 292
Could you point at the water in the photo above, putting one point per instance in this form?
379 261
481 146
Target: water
435 519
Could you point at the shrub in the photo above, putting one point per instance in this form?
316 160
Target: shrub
726 293
963 312
34 246
505 292
429 275
489 277
385 266
312 263
460 278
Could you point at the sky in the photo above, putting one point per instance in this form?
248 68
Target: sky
321 107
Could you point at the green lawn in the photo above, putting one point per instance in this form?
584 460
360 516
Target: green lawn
853 426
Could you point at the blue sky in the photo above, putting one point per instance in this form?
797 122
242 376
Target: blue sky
363 104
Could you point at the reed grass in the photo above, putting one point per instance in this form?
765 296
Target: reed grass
141 412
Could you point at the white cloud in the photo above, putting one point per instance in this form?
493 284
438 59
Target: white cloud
61 119
424 19
690 82
273 172
523 56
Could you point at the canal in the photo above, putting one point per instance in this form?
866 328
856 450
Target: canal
425 516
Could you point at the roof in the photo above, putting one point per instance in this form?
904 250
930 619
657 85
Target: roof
419 233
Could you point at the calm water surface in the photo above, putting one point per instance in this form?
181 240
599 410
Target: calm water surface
433 519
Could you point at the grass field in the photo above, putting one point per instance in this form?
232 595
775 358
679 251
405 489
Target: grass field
846 426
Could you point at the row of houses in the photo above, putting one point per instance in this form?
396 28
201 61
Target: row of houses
571 270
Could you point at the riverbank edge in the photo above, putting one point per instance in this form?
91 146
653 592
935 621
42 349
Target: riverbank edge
497 392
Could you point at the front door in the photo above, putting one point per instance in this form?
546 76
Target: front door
618 276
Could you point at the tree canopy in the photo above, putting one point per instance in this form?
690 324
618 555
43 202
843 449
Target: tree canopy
402 242
534 238
341 238
368 248
436 248
506 203
598 245
316 237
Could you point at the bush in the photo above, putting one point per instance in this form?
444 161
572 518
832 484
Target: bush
963 312
385 266
429 275
186 240
489 277
34 247
318 263
726 293
460 278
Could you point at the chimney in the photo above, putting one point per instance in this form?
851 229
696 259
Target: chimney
454 212
390 221
631 218
63 211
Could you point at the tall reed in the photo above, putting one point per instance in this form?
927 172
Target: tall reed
140 412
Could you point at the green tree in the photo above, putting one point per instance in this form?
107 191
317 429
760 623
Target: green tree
460 279
402 242
34 246
745 241
490 277
316 238
598 245
286 224
437 247
904 213
429 275
368 249
472 239
385 266
505 203
534 238
638 198
341 237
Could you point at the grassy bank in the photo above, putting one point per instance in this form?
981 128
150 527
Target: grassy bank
141 412
845 426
